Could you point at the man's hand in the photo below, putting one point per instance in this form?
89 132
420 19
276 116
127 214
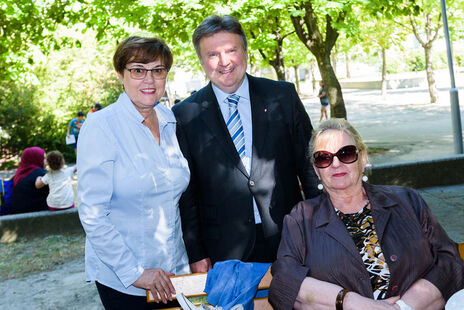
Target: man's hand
203 265
158 282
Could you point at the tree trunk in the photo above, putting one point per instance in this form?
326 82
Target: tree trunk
307 30
431 34
334 61
280 71
384 72
313 76
253 67
297 79
347 64
334 90
430 74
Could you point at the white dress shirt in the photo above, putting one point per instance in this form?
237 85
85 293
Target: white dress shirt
244 109
128 192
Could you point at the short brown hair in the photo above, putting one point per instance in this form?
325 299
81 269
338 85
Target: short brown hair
142 50
214 24
55 160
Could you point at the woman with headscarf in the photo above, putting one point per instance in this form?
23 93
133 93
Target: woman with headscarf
26 197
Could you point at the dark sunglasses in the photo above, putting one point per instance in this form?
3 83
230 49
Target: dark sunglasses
347 155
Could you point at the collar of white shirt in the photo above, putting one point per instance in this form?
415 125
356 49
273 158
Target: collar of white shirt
243 91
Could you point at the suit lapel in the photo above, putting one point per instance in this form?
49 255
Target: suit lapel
260 119
381 212
334 227
214 121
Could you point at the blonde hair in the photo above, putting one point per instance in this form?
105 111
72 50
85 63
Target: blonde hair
339 124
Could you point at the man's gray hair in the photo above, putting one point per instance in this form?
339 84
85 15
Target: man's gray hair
214 24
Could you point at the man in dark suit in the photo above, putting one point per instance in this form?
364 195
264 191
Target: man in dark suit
246 140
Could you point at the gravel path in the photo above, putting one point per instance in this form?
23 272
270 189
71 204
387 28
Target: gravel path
62 288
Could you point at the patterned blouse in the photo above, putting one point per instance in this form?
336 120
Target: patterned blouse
361 228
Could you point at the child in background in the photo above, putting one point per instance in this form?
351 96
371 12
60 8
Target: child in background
58 178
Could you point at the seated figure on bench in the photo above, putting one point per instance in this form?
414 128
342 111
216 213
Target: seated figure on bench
26 197
360 245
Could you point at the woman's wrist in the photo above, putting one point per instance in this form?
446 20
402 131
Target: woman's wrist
340 298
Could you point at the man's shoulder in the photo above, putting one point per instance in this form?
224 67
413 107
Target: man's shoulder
265 82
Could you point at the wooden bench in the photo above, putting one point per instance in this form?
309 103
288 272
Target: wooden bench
461 249
192 285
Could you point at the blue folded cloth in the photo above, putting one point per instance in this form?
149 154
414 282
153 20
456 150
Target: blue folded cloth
234 282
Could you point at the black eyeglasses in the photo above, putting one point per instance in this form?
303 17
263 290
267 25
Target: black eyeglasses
347 155
140 73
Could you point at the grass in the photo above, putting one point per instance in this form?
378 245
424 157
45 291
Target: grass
27 256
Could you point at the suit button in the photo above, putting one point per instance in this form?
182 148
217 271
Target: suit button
394 288
252 183
393 258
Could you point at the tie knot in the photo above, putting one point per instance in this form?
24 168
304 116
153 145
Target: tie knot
233 99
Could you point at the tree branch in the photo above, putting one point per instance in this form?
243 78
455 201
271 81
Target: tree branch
439 25
287 34
414 30
332 34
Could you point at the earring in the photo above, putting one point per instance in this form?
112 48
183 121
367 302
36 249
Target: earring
365 178
320 186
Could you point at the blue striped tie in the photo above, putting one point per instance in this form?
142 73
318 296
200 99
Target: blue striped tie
234 124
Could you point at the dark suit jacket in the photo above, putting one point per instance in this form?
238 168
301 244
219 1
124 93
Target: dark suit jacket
217 208
315 243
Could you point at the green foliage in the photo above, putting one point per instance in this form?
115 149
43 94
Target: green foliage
19 115
66 81
26 123
414 60
24 24
47 78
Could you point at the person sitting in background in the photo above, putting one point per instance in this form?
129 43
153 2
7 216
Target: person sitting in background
26 197
59 180
361 246
131 176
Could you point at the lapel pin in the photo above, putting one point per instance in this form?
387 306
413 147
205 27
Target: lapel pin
265 110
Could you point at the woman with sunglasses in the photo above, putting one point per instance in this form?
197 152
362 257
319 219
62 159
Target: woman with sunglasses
361 246
131 175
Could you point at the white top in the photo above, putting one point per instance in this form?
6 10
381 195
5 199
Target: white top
244 109
128 192
61 194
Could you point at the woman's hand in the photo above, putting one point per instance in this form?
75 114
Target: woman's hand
38 182
158 282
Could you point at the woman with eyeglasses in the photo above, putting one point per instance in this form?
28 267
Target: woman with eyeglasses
361 246
131 175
